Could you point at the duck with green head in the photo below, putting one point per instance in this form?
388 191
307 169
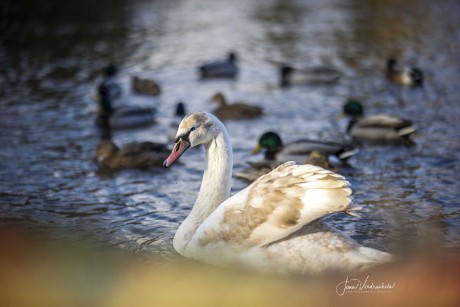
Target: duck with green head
378 128
298 150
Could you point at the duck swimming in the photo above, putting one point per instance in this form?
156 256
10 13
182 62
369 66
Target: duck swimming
145 86
236 110
272 225
318 75
221 68
275 150
121 117
132 155
179 113
408 76
379 128
109 85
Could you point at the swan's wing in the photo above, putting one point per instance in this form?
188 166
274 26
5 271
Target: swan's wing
274 206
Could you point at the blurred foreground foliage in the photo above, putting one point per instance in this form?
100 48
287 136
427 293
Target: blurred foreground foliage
35 272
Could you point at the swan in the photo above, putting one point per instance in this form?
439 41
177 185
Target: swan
270 226
408 76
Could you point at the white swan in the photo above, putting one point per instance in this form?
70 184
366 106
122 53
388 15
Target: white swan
272 224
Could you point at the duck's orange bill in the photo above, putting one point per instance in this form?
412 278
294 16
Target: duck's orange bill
179 148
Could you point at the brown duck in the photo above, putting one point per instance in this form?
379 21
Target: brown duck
407 76
132 155
235 110
145 86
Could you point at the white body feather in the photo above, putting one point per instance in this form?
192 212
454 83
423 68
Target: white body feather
272 225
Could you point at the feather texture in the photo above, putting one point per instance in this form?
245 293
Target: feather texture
272 225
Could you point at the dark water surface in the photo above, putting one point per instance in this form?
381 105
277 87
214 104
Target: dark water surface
52 53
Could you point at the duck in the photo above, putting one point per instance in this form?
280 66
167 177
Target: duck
109 84
271 226
317 75
297 150
236 110
179 113
122 117
220 68
259 168
145 86
132 155
378 128
406 76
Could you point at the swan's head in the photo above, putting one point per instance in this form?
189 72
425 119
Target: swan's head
195 129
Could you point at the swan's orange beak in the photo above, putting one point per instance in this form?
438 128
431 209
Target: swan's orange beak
179 148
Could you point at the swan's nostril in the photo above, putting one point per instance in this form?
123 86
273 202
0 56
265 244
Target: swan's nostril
177 146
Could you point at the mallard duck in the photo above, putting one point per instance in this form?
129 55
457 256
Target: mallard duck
408 76
145 86
221 68
275 150
318 75
379 128
132 155
121 117
235 110
259 168
274 224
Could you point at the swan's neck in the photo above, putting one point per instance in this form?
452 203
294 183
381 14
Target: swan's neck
215 188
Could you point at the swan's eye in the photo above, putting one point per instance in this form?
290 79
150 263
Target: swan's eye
193 128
